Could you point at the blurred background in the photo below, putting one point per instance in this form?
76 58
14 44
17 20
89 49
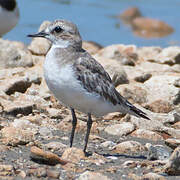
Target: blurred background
98 20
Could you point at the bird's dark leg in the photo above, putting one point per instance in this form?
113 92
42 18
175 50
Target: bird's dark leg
74 122
89 124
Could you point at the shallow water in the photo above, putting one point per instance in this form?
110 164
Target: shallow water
95 19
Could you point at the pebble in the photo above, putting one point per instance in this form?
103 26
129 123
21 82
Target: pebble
172 142
157 152
128 146
50 158
73 154
121 129
88 175
173 165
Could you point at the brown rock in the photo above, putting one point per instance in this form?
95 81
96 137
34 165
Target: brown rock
15 84
14 54
129 14
88 175
133 93
152 176
54 113
142 78
38 154
148 53
121 129
172 142
128 146
21 105
73 155
146 134
169 55
160 87
40 46
148 27
91 47
173 165
159 106
115 51
16 136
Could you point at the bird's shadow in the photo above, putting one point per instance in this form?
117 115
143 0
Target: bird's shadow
122 156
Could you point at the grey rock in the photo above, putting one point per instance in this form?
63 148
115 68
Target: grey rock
173 165
14 54
157 152
143 77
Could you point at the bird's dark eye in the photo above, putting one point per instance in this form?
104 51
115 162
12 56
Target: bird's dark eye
58 29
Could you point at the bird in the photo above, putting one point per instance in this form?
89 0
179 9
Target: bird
9 15
77 80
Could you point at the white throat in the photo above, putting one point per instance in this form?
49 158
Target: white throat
61 44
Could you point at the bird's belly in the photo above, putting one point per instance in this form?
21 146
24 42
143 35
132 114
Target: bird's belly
70 92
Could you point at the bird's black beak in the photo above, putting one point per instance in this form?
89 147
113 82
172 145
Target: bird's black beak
39 34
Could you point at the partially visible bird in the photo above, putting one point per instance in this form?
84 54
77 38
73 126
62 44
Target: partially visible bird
9 15
77 80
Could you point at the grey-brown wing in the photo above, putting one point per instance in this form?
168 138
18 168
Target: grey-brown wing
95 79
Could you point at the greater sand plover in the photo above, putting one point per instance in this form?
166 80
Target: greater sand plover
77 80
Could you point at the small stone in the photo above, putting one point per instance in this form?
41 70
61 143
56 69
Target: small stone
16 136
120 129
53 174
6 170
128 146
134 94
143 77
107 144
14 54
38 172
172 142
91 47
129 164
120 77
157 152
45 132
173 165
88 175
177 83
54 113
146 134
15 84
159 106
56 146
38 154
22 174
177 124
21 105
169 55
152 176
73 155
